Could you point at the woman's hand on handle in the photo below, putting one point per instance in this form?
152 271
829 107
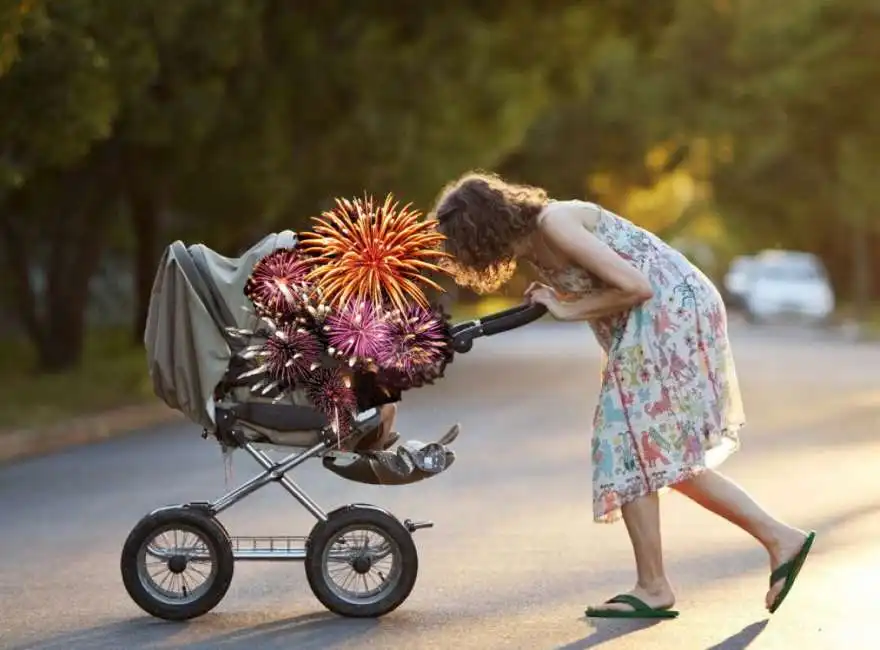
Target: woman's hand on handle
533 287
541 294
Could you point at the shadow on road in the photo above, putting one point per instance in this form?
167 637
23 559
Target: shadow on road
742 639
607 630
306 632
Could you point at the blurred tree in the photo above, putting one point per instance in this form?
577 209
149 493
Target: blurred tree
792 93
12 17
59 99
595 140
222 123
193 47
604 131
372 98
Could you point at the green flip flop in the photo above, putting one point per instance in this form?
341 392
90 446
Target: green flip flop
639 609
789 571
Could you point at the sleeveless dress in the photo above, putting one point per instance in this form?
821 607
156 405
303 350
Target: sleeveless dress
670 404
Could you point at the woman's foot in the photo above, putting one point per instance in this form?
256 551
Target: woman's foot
789 544
658 595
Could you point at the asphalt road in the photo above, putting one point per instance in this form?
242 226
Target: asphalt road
514 556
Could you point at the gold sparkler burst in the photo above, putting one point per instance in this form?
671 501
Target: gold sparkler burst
365 251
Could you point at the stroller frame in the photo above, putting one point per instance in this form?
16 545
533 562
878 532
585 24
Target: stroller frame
277 548
325 544
272 548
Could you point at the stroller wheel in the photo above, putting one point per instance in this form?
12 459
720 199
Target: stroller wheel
177 563
361 563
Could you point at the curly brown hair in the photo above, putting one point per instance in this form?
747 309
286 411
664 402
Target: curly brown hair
483 218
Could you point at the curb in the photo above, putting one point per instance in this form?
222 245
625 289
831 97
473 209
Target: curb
25 443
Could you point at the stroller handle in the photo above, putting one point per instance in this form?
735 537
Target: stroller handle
463 334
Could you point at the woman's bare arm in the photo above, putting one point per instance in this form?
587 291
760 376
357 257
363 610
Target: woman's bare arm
567 229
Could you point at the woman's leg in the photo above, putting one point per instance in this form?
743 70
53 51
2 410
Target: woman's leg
720 495
642 518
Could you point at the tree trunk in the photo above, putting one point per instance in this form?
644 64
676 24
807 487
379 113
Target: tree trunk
67 214
861 260
145 222
74 263
63 342
18 271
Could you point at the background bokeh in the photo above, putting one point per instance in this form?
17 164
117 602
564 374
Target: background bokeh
726 126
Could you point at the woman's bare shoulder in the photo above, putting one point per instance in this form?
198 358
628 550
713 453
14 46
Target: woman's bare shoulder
583 212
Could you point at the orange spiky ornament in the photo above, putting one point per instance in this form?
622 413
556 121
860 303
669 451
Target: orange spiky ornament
367 252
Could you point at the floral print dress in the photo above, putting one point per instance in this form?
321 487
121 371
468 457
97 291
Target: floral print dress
670 403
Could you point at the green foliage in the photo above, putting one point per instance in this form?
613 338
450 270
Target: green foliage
13 14
112 374
783 98
127 124
790 96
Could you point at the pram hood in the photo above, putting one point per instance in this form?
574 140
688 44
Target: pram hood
196 295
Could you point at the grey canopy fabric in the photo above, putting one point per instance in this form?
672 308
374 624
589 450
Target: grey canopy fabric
197 293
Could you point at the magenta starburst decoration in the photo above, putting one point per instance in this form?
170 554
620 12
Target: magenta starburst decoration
358 332
291 353
277 284
419 344
330 391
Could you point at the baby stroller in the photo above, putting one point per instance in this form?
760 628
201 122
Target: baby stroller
360 560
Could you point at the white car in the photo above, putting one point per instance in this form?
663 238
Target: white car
736 280
788 283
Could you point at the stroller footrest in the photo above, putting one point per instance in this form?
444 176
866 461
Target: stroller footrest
409 463
382 468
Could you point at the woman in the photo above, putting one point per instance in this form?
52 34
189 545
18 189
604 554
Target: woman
669 409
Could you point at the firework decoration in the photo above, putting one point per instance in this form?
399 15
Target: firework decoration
419 346
358 332
380 253
349 302
286 355
277 286
291 353
330 391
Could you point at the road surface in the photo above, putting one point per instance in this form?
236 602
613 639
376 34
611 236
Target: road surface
514 556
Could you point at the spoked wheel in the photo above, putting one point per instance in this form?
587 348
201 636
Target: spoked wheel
361 562
177 564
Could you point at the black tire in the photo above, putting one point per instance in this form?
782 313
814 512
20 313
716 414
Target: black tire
211 533
404 570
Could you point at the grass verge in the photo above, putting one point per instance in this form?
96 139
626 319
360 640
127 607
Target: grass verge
871 327
113 374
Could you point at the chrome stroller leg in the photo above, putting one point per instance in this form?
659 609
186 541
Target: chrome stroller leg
274 472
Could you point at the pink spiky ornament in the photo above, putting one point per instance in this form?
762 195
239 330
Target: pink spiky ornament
291 353
420 346
358 332
330 391
277 285
287 357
